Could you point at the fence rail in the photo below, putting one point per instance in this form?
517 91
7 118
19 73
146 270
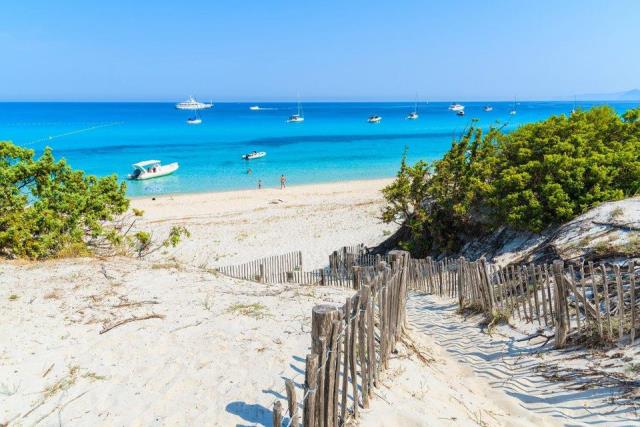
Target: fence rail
592 300
288 268
350 346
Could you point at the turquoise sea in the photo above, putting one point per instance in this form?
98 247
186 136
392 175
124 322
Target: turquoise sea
334 143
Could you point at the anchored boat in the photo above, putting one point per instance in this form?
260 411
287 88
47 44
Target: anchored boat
192 104
152 169
374 119
254 155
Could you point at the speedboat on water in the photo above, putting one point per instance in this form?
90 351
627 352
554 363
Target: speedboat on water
254 155
487 108
412 116
192 104
456 107
460 113
374 119
255 108
194 120
152 169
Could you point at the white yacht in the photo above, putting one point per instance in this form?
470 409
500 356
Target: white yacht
296 118
192 104
374 119
456 107
487 108
255 108
254 155
151 169
194 120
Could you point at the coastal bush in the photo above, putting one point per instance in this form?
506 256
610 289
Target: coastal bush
48 209
540 175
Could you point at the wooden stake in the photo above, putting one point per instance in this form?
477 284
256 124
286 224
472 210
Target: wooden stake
310 388
292 401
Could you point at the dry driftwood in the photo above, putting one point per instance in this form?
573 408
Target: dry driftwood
129 320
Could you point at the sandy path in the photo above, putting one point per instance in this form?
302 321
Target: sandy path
239 226
515 368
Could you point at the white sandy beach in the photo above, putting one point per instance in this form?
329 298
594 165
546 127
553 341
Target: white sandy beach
216 350
238 226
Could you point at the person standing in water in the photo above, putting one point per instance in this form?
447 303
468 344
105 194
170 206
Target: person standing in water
283 182
259 184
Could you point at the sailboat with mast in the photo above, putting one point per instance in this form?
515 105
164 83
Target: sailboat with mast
513 111
299 117
574 110
414 114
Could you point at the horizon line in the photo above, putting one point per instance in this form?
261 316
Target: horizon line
317 101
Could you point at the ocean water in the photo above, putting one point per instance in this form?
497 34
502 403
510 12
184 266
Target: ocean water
334 143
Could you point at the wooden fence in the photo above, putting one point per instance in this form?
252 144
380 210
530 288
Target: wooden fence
350 345
288 268
591 300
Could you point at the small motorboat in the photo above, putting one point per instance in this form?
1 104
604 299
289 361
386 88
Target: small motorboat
374 119
192 104
255 108
460 113
456 107
254 155
513 111
413 116
152 169
194 120
487 108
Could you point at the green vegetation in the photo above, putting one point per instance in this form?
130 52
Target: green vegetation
48 209
539 175
256 310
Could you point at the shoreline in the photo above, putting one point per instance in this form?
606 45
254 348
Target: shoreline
232 227
348 182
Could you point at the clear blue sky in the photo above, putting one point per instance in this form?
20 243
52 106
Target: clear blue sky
327 50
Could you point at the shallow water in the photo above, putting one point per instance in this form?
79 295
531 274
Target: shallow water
334 143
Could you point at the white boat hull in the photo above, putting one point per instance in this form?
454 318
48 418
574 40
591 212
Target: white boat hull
252 156
163 170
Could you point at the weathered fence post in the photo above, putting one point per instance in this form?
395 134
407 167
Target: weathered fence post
292 401
562 327
322 318
277 414
262 278
310 390
460 282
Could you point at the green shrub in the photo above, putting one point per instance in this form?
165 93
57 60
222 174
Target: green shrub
539 175
46 206
48 209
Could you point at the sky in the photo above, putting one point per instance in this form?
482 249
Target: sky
347 50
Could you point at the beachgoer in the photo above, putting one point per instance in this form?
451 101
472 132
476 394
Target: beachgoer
249 171
283 182
259 184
